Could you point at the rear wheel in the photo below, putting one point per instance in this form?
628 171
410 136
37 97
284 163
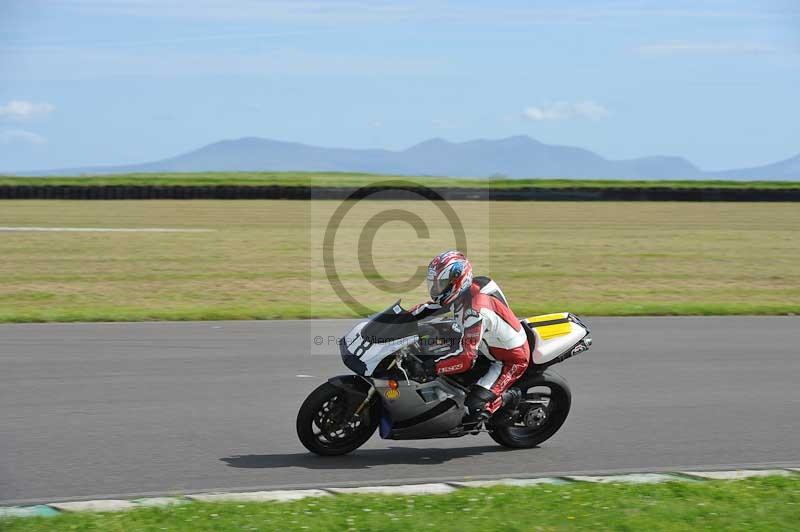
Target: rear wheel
328 425
544 407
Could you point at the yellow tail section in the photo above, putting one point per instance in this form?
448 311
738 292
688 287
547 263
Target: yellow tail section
552 325
548 317
552 331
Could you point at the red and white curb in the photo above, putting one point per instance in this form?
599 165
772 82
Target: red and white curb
114 505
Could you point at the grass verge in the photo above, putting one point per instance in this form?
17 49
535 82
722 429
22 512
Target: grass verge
348 179
755 504
263 259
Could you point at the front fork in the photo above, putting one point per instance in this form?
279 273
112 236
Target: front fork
365 402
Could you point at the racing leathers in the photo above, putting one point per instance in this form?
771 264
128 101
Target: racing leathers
488 327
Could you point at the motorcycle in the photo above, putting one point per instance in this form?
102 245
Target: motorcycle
342 414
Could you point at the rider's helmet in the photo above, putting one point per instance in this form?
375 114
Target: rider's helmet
449 276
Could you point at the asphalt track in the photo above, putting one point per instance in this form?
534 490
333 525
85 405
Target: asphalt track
90 410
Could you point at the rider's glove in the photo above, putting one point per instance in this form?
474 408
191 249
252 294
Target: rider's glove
425 370
429 369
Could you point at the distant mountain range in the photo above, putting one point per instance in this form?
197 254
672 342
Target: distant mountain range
512 157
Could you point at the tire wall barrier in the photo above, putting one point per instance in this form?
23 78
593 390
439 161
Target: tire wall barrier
120 192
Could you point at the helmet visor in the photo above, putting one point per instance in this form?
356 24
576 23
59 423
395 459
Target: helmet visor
437 286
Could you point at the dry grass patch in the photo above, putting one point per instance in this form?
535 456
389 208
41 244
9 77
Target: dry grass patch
264 259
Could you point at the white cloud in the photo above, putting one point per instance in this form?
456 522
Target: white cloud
11 136
23 110
587 109
705 48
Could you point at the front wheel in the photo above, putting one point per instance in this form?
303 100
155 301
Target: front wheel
544 407
328 425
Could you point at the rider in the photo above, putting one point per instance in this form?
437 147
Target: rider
487 326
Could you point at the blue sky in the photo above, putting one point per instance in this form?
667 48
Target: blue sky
88 82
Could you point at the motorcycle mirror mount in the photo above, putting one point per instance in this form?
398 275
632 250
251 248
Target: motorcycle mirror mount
398 359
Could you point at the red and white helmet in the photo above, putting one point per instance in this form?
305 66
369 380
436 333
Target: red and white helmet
449 276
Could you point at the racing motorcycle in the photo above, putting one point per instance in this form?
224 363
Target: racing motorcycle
342 414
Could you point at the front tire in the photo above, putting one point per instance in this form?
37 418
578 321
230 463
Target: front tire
326 424
551 407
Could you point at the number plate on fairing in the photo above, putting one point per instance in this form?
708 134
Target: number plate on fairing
370 353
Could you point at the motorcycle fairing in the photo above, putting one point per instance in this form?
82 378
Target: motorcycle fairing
419 410
366 353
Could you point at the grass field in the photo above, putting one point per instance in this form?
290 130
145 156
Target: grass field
342 179
263 259
766 504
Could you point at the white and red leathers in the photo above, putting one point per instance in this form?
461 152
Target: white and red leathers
488 327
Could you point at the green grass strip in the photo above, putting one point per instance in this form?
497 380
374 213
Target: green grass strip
767 504
349 179
301 312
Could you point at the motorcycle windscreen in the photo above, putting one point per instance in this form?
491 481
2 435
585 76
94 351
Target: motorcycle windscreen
392 324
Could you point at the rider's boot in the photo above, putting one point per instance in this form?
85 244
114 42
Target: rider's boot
475 404
511 398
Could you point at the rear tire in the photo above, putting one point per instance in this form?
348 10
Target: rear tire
560 400
324 423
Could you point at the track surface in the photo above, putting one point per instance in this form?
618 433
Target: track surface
120 409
